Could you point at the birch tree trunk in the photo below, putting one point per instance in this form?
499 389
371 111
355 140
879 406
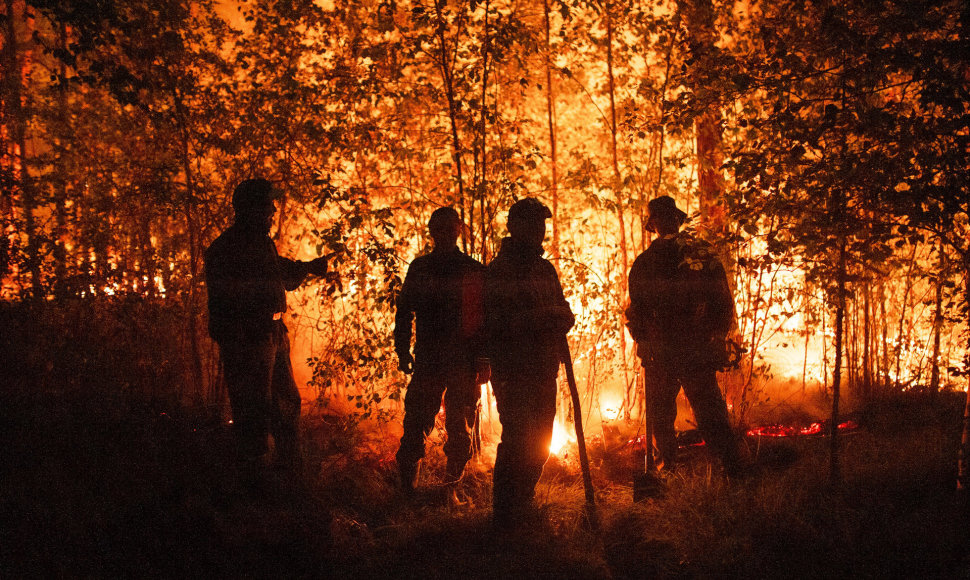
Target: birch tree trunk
195 251
551 117
63 171
618 196
835 471
617 177
699 17
447 77
962 468
937 324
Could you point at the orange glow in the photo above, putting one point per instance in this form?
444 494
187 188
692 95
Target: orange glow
561 438
784 322
610 407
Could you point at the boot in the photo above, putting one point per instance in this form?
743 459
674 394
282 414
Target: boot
408 473
454 471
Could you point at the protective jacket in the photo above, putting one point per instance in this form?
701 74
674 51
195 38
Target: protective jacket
443 291
247 282
526 315
680 301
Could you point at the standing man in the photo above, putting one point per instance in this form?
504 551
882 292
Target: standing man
526 320
681 310
247 282
442 296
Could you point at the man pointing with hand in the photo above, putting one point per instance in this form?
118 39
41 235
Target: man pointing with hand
247 281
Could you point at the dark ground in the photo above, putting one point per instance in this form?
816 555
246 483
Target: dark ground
103 476
89 492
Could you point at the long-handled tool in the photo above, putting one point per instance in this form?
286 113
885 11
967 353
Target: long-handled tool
591 514
647 484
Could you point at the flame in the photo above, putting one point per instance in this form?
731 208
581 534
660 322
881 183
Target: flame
560 439
813 429
610 408
772 431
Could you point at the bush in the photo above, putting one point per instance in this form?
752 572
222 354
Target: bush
120 349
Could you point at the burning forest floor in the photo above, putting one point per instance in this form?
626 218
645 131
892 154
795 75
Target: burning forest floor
93 489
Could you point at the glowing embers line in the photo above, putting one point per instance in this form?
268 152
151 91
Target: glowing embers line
816 429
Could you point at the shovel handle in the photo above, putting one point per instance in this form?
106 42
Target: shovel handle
580 437
649 463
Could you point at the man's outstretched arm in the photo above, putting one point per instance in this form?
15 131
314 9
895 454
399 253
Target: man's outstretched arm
295 271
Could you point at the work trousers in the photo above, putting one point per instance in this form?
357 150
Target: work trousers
527 411
421 405
699 382
263 395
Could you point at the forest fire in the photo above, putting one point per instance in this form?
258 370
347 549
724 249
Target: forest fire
893 334
889 328
819 150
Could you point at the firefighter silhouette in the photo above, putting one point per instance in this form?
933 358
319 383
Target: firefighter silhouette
247 282
442 300
526 321
680 312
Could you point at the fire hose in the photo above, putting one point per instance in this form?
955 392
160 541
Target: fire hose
591 514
